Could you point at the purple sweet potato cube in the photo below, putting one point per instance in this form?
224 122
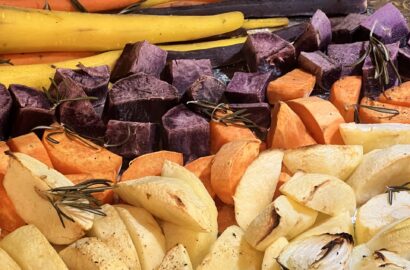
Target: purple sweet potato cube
184 72
139 57
31 109
291 33
345 31
259 113
140 98
346 55
206 88
404 62
389 24
143 138
5 112
322 66
248 87
186 132
93 80
79 115
371 85
265 51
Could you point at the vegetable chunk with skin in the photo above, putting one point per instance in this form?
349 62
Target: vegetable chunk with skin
206 88
345 94
5 111
395 114
248 87
259 113
347 30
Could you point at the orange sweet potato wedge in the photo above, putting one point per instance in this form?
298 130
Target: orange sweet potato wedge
201 167
228 166
150 164
345 94
398 95
369 116
222 134
294 84
72 156
287 130
321 118
4 159
31 145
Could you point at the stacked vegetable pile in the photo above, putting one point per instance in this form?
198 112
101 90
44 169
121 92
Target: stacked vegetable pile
162 157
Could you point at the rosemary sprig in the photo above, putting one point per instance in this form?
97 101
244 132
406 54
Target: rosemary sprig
391 190
78 5
392 112
78 196
6 61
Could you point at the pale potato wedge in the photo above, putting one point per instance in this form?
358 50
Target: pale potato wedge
336 160
232 252
197 244
323 193
29 248
6 262
375 136
89 253
145 233
257 186
380 168
358 254
25 180
377 213
324 252
177 258
282 218
111 230
383 260
272 253
341 223
169 199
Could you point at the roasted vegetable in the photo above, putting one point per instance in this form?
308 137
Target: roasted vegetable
347 30
347 55
248 87
345 94
259 113
5 111
206 88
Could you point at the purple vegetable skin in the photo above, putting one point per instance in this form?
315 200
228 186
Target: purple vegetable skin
259 113
206 88
139 57
346 31
5 112
346 55
140 98
266 52
404 62
325 69
143 138
31 108
186 132
248 87
93 80
390 24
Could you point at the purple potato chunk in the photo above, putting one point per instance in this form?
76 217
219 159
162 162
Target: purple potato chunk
317 36
371 85
389 24
322 66
143 138
248 87
265 51
139 57
140 98
259 113
291 33
79 115
31 108
346 31
5 112
404 62
186 132
184 72
346 55
93 80
206 88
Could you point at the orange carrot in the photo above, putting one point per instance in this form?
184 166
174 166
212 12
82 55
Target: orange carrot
399 95
287 130
201 167
106 196
229 165
222 134
371 116
283 178
67 5
345 94
31 145
150 164
182 3
4 159
320 117
295 84
72 156
226 216
42 57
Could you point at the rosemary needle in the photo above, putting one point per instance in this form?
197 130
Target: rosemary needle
393 189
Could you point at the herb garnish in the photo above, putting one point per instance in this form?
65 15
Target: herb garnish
393 189
392 112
